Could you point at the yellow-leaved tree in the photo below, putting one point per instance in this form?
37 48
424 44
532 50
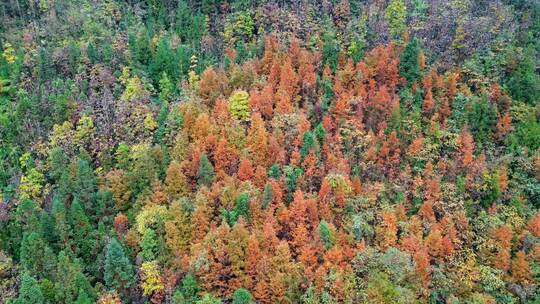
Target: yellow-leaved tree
239 105
152 282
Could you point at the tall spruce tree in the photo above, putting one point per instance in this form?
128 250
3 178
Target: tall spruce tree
409 66
29 293
70 280
36 257
119 274
524 83
85 184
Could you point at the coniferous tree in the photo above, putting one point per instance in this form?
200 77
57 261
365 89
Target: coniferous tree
62 228
274 171
162 62
81 231
241 210
58 161
85 184
242 206
205 174
482 120
330 50
142 47
409 67
291 176
208 299
326 235
29 293
44 64
49 230
83 298
70 280
188 291
524 83
245 170
309 144
36 257
182 61
242 296
520 269
118 269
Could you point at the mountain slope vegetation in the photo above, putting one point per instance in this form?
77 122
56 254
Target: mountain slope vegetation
233 151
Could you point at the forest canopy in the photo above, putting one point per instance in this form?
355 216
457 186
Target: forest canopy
234 151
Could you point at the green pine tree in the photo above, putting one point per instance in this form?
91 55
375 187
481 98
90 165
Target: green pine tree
61 227
330 50
35 255
208 299
409 67
29 293
524 83
81 231
241 210
70 280
320 133
85 184
482 120
274 171
309 144
326 235
162 62
48 229
242 296
182 60
119 274
58 162
291 176
83 298
205 174
187 293
242 206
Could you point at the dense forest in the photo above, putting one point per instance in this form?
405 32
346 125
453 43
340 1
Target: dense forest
269 151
